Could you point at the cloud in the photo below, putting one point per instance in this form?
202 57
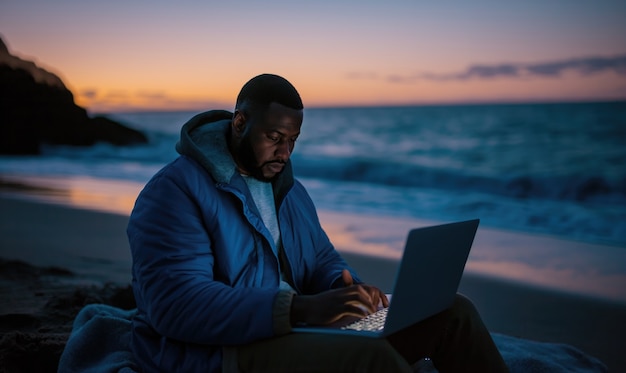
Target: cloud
89 94
153 96
582 66
117 95
125 100
480 72
396 78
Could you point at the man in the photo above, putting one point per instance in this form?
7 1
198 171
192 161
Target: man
228 255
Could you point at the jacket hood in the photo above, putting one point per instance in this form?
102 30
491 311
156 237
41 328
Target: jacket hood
204 138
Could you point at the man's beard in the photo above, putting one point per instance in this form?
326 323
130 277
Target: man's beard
249 161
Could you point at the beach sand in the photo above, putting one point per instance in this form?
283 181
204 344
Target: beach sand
88 248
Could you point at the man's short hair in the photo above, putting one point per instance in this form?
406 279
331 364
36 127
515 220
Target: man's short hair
264 89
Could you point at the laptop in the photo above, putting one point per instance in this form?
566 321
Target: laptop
426 282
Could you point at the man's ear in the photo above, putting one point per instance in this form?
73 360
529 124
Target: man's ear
239 123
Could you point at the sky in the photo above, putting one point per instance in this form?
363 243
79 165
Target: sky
125 55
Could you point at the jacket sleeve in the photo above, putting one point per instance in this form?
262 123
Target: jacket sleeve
324 264
173 277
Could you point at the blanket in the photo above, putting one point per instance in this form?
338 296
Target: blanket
100 339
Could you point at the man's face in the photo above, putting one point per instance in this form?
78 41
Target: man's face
267 142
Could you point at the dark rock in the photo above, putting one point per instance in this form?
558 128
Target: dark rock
36 108
112 132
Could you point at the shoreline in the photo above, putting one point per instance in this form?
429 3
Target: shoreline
91 243
543 261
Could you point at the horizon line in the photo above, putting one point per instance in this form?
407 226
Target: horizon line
134 110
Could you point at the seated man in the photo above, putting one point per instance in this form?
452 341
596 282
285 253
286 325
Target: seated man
228 254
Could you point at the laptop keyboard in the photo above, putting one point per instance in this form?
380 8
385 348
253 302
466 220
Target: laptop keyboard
373 322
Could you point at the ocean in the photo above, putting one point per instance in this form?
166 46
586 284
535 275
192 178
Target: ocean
553 169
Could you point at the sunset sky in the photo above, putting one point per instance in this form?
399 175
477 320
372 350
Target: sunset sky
161 55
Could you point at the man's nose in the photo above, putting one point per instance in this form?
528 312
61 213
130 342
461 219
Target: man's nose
283 150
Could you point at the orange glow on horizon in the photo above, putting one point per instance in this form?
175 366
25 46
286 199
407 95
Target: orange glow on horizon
165 56
343 91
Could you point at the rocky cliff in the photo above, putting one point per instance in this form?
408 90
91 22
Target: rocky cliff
36 108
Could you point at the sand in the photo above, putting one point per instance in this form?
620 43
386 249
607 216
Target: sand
68 255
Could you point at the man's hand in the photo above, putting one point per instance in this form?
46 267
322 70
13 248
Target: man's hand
378 297
330 306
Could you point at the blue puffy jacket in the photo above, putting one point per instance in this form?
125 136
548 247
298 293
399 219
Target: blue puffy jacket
205 272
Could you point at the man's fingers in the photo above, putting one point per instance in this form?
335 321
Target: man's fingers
378 297
347 278
364 299
356 296
381 298
385 300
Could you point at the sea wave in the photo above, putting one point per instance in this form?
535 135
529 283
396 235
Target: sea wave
555 169
592 188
